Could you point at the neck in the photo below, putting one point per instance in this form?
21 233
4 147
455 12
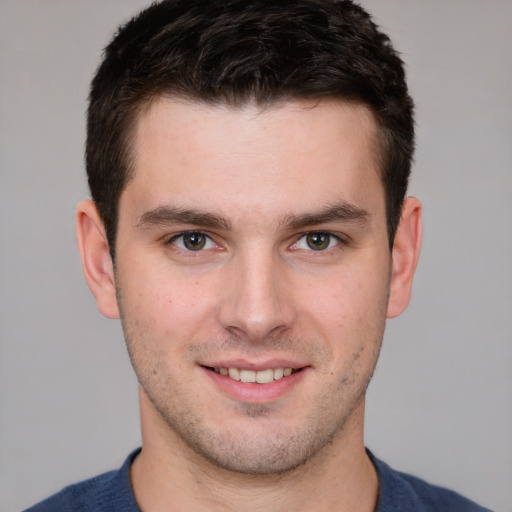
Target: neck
168 475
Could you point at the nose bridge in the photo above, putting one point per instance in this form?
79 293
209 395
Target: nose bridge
255 303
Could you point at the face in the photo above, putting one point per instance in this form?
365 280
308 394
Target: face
252 276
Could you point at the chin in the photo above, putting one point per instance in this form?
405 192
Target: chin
269 448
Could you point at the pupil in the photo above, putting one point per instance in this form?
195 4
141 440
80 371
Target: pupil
318 241
194 241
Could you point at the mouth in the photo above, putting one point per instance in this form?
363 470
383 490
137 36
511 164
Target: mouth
265 376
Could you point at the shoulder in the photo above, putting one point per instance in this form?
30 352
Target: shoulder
82 496
107 492
403 492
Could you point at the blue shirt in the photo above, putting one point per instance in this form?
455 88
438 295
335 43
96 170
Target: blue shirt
398 492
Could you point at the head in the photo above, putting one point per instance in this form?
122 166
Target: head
248 162
236 53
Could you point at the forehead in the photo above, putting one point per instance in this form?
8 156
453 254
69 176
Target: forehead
298 152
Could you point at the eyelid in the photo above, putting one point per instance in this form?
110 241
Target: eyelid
340 239
181 234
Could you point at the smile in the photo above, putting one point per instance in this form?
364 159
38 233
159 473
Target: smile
260 376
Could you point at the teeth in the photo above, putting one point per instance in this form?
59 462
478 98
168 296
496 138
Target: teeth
234 373
278 373
261 377
247 376
265 376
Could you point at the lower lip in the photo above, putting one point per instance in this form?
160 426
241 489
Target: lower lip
253 392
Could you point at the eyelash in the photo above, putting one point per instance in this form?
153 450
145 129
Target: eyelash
208 240
174 238
332 237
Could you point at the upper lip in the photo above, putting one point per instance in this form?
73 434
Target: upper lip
243 364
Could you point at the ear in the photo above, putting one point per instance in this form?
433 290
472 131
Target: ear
405 256
96 261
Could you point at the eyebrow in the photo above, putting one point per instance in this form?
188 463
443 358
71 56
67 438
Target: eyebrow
166 215
340 212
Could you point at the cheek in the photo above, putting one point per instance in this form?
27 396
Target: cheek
348 309
158 304
349 297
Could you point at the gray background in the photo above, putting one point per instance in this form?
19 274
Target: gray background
440 405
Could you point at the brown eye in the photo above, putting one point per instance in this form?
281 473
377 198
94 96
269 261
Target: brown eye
194 241
318 241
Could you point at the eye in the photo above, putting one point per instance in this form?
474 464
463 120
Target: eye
317 241
193 241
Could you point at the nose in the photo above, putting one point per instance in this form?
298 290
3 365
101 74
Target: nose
255 301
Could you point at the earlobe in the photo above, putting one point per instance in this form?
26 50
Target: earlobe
96 261
405 256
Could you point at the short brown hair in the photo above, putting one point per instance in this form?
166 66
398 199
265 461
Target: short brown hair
232 52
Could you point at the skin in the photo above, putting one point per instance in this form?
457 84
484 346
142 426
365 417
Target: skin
255 184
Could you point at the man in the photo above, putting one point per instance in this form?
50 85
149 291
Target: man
248 164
